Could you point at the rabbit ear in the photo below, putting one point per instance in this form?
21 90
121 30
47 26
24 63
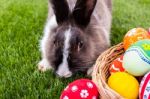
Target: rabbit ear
83 10
61 10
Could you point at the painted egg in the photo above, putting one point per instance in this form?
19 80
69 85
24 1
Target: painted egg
124 84
136 60
116 65
144 92
80 89
134 35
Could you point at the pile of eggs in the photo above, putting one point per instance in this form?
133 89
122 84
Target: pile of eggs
127 70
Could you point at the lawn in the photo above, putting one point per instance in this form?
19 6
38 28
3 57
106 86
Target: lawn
21 26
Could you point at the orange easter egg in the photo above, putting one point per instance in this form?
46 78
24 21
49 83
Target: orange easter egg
116 65
134 35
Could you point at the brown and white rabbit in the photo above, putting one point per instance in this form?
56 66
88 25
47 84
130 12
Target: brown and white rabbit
76 33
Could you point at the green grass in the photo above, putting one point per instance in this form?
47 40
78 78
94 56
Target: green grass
21 26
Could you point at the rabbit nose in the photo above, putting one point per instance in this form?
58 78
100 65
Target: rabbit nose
65 75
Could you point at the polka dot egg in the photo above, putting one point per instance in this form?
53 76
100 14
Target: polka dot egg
145 87
80 89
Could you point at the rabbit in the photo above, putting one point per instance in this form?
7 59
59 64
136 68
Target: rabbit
75 34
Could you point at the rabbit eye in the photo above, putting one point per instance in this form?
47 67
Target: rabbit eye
80 44
55 43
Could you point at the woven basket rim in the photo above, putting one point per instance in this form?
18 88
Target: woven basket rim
100 71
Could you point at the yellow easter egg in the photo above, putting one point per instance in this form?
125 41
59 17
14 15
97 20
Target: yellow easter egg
124 84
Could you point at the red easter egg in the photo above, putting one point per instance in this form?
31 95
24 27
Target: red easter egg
145 87
80 89
116 65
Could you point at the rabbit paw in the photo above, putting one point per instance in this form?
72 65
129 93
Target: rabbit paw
43 65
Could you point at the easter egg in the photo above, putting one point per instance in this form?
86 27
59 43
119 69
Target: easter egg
144 92
80 89
124 84
136 60
116 65
134 35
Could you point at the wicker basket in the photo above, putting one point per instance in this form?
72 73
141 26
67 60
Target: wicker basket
101 72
